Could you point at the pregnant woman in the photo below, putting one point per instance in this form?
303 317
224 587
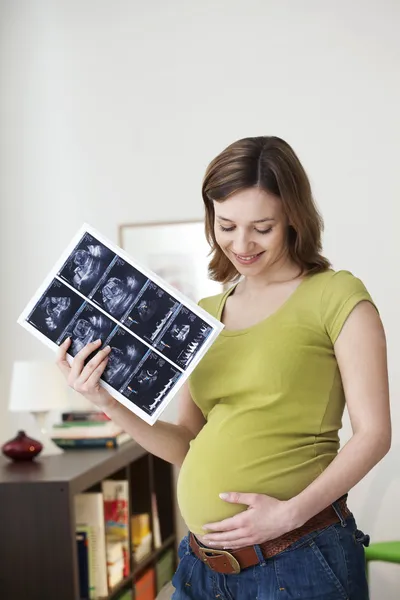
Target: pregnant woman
263 486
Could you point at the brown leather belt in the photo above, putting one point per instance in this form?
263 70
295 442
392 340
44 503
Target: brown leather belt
234 561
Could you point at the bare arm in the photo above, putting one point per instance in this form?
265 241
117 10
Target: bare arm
166 440
361 354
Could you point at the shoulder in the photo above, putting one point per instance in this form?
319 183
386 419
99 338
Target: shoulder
212 304
338 286
340 292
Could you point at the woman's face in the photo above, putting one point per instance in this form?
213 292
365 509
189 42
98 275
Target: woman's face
251 229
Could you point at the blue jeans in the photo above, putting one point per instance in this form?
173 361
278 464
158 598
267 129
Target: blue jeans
327 564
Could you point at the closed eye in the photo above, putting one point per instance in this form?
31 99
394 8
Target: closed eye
262 231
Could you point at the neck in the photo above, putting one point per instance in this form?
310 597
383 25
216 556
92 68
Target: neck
280 272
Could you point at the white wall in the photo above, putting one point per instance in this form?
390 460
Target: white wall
110 111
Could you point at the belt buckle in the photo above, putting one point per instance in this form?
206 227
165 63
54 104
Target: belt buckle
232 560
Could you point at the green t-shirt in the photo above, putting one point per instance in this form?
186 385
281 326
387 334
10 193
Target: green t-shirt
273 400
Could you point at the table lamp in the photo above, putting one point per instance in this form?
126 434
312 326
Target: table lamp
39 387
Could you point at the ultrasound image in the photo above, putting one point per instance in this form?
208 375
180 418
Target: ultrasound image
124 357
183 337
54 310
119 289
152 310
88 325
151 383
87 264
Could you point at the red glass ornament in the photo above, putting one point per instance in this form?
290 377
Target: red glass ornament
22 447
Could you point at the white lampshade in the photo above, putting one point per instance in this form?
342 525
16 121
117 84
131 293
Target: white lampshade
37 386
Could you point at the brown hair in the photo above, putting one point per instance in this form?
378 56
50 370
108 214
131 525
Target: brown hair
272 165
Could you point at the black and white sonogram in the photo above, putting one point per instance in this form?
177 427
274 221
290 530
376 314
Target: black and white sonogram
87 264
124 357
183 337
88 325
151 383
54 310
151 311
119 289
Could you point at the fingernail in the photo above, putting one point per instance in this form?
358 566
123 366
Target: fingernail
97 341
107 348
66 340
224 496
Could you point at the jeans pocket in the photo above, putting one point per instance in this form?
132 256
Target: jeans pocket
334 566
315 569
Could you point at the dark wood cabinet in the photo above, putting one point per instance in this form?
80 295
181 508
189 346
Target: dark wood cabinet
38 558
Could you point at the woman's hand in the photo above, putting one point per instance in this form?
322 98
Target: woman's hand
265 519
85 378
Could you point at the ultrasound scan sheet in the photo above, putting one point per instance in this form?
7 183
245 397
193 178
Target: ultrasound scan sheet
157 335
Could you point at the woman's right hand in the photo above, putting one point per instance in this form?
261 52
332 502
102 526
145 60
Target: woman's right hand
85 379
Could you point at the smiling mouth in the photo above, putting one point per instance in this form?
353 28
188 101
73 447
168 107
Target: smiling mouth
249 259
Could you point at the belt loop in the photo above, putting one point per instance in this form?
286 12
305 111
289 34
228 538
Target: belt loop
259 553
336 508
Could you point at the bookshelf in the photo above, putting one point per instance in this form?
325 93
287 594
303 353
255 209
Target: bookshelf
37 517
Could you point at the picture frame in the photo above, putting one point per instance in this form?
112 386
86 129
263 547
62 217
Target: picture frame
177 251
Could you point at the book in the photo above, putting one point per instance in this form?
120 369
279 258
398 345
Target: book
84 416
165 568
85 429
83 563
86 530
115 573
89 512
116 514
145 586
101 442
141 536
115 560
156 522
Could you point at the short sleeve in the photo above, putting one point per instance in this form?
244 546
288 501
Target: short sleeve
341 294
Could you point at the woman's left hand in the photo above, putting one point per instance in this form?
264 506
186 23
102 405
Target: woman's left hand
265 519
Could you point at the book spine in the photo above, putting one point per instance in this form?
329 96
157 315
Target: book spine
107 442
90 415
83 564
89 513
156 522
116 513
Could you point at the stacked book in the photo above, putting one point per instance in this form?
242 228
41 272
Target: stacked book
87 429
102 538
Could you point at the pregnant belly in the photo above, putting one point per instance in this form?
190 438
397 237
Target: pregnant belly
214 465
202 478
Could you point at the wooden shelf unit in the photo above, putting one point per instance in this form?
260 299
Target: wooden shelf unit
38 558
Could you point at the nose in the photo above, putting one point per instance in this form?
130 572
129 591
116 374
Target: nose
241 242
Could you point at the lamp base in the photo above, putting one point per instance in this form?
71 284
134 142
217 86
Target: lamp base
49 447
